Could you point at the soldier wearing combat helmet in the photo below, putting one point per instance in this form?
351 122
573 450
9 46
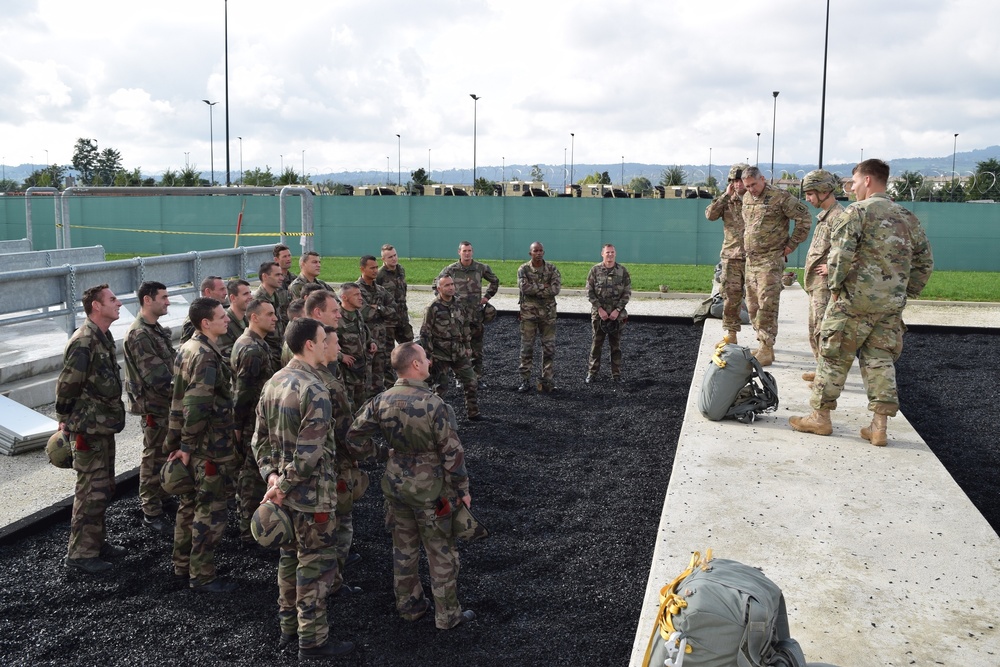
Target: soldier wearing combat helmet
729 207
819 187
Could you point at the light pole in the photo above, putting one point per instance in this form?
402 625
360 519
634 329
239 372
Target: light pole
623 172
47 156
475 111
281 161
822 111
211 139
241 159
862 154
399 161
187 159
387 181
756 161
572 149
774 123
226 31
954 154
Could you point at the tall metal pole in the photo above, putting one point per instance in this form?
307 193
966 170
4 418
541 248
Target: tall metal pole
387 181
572 149
774 123
226 5
475 108
822 108
954 154
241 159
303 165
623 171
399 161
756 161
211 137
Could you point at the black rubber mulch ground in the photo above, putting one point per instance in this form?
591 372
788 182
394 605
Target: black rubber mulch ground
570 484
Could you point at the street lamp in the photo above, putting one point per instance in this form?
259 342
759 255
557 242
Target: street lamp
475 110
822 112
387 181
774 123
281 162
399 161
303 166
211 139
241 159
226 40
623 171
756 161
187 159
572 148
954 153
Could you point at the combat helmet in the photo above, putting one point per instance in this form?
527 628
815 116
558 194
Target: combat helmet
819 180
175 478
271 526
489 312
60 450
736 171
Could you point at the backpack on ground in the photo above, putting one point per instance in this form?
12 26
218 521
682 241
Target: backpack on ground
721 613
713 307
735 385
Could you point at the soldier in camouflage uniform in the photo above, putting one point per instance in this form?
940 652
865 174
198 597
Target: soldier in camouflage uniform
538 283
283 256
379 311
90 410
879 257
356 344
425 477
270 290
819 188
250 360
392 276
149 369
239 296
213 287
609 288
729 207
469 275
766 213
447 338
201 437
296 454
310 264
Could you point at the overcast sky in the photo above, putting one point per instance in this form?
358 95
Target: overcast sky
655 82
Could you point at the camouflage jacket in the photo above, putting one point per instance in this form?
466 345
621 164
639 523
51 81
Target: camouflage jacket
235 330
300 282
379 310
730 209
395 283
201 412
343 414
288 279
538 288
294 440
879 256
766 219
426 459
355 338
469 285
819 247
607 288
89 387
445 333
149 368
280 301
251 363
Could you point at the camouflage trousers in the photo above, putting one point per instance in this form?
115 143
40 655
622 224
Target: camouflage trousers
546 331
306 572
733 279
94 462
875 339
410 528
478 330
379 362
597 345
201 521
154 433
818 300
250 487
358 386
345 523
763 280
462 368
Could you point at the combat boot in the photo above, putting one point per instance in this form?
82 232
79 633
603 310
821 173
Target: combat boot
330 649
817 422
809 376
875 432
728 339
764 354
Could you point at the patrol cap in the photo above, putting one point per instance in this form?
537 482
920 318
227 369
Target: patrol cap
489 312
465 526
59 450
736 171
271 526
175 478
819 180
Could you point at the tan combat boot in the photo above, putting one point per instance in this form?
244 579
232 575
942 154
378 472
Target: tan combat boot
764 354
817 422
809 376
875 432
728 339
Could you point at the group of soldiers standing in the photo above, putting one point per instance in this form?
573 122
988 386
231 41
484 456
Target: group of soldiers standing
863 263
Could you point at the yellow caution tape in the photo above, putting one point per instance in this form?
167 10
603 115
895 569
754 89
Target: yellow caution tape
161 231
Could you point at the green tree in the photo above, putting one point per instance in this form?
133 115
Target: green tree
672 176
597 178
109 163
419 177
8 185
906 186
128 179
291 177
986 182
484 186
536 173
258 178
48 177
85 159
189 177
712 184
169 179
640 184
953 191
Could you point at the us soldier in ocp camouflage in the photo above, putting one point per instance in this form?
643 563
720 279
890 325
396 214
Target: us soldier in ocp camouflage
819 187
766 213
538 282
609 288
379 312
201 437
296 454
879 257
469 275
447 338
425 476
729 207
90 410
149 369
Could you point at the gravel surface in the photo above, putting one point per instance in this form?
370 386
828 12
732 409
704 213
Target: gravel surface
570 484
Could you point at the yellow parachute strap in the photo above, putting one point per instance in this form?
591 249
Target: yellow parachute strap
671 602
716 358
